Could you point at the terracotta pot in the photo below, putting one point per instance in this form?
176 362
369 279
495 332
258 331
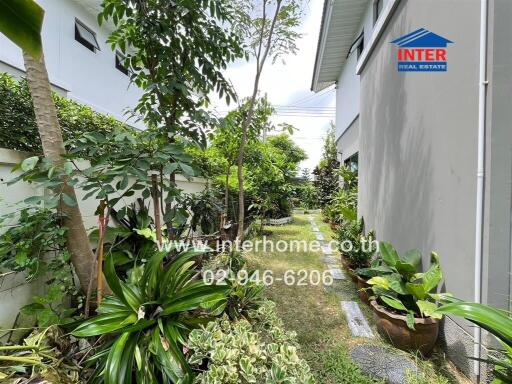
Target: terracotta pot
361 286
393 327
349 270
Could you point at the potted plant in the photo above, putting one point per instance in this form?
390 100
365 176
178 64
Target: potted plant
356 248
405 308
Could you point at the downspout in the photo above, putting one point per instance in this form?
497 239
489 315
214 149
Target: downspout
480 197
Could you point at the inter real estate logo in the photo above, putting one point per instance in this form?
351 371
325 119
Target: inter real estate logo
422 51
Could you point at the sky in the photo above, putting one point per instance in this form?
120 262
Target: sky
288 88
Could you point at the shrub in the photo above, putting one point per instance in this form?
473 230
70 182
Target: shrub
240 353
18 129
362 247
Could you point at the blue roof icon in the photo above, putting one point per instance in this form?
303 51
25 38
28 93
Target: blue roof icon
422 38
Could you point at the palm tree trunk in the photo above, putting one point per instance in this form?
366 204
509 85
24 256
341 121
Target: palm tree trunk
53 148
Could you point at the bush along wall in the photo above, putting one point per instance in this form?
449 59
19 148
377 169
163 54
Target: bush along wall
17 116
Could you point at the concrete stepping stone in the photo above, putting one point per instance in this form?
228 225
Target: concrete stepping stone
356 320
326 249
319 236
383 363
337 273
330 259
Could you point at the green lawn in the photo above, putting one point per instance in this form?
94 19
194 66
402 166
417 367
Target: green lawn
314 312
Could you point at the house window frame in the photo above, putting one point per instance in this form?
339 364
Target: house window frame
360 47
92 46
119 58
378 6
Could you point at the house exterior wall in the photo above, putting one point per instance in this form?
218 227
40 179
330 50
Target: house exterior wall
418 147
88 77
347 96
348 143
497 287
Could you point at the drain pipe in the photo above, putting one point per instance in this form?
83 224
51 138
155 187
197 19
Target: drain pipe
480 197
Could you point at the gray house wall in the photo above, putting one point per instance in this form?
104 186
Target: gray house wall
418 151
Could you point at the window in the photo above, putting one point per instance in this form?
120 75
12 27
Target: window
352 162
120 63
357 45
377 9
360 47
85 36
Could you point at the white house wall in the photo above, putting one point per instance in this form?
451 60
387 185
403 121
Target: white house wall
88 77
347 96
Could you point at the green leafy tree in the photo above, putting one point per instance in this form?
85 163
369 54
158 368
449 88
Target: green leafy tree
21 21
327 180
175 52
269 30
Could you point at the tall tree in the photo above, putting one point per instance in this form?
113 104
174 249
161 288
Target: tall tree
269 30
175 52
21 21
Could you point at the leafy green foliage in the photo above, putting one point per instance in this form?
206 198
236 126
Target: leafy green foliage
16 110
35 244
206 208
343 205
272 167
148 320
175 52
400 286
327 179
242 352
498 323
21 21
357 246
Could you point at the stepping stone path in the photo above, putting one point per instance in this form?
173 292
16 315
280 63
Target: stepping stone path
383 363
356 320
337 274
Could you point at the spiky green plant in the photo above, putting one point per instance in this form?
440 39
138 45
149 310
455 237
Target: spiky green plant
147 320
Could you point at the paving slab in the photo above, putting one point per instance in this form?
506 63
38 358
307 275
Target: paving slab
326 249
356 320
330 259
337 273
319 236
383 363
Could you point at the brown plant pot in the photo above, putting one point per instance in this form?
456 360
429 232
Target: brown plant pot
349 270
393 327
362 285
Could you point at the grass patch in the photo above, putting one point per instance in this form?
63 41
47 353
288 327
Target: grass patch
314 313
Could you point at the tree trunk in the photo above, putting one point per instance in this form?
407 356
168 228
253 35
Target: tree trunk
224 215
240 161
53 148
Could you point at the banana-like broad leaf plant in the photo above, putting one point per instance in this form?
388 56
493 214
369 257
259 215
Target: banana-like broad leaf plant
398 285
21 21
146 322
495 321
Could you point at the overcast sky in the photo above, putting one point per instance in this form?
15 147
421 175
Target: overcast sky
289 85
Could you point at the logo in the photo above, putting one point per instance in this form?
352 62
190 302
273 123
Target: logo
422 51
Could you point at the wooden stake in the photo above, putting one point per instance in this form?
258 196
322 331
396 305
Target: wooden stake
101 239
156 208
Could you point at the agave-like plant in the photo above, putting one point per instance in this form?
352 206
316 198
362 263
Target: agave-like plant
398 284
146 322
495 321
